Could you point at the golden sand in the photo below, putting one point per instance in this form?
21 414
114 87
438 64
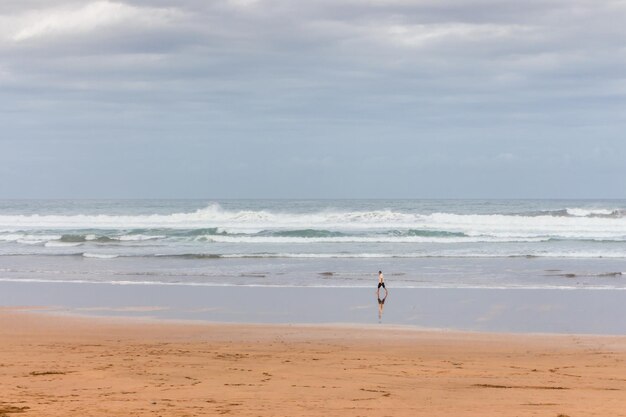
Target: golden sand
68 366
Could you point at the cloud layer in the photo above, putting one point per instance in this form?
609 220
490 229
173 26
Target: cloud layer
393 97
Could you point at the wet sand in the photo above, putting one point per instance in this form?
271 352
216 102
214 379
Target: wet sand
73 366
463 309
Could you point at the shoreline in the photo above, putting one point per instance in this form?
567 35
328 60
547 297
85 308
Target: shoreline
314 286
62 365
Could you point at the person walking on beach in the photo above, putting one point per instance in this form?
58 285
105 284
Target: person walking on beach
381 283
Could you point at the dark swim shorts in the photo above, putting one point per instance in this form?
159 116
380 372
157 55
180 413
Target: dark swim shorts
381 284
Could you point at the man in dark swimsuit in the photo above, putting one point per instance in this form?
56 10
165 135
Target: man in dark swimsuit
381 283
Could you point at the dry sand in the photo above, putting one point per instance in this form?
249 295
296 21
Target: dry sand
68 366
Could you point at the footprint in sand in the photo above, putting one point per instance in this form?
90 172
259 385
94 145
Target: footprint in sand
5 410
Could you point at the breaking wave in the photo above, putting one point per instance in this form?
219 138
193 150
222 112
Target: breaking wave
582 231
214 220
581 212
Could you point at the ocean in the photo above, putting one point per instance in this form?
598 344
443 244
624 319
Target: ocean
317 243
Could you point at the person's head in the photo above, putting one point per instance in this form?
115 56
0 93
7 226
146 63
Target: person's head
380 272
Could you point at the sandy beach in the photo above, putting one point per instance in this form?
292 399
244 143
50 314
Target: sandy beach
273 208
73 366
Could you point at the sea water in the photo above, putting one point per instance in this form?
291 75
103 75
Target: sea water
320 243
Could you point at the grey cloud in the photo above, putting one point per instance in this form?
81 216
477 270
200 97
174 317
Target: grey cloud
292 83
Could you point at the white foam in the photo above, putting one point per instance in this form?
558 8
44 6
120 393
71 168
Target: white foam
320 255
99 255
581 212
584 224
434 254
211 216
57 244
529 226
11 237
139 238
364 239
30 241
27 238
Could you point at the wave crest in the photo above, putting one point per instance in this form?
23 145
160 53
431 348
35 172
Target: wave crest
213 220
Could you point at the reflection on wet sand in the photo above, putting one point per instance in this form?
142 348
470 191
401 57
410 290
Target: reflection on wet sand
381 305
488 310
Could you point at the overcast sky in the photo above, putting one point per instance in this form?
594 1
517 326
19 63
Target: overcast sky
315 98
